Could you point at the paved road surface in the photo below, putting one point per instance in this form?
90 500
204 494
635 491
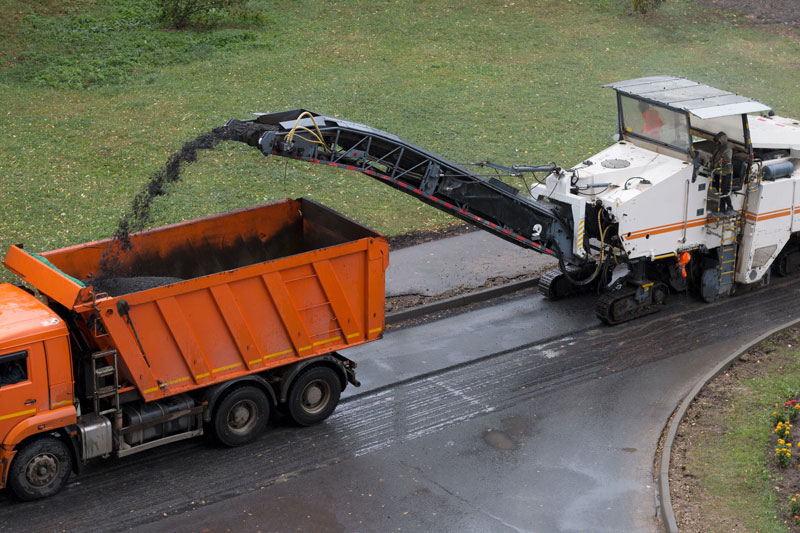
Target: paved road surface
551 435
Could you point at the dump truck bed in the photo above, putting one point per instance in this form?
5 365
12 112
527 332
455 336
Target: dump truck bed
239 293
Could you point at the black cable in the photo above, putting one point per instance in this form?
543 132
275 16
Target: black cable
592 193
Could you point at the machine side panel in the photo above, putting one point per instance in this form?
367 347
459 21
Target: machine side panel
771 215
664 218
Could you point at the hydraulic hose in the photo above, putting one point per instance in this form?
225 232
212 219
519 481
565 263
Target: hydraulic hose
563 267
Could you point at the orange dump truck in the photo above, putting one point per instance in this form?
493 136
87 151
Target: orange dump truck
203 325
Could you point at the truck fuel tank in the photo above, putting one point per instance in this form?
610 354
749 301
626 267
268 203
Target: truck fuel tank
140 416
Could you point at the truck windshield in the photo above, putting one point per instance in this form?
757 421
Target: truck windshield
655 123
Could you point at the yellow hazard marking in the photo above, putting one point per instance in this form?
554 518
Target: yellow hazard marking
304 348
201 376
663 256
375 330
148 391
326 341
647 285
220 369
358 334
728 272
254 361
276 354
20 413
174 381
59 404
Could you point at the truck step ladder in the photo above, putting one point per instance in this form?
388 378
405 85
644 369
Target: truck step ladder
105 380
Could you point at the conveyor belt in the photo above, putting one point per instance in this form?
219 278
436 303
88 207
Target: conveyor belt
490 204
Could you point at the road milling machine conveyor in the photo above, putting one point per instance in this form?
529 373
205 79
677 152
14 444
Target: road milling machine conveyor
634 222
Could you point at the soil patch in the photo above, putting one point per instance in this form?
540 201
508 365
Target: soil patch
413 238
784 12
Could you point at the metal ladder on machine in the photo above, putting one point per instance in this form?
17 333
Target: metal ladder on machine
727 227
729 245
105 381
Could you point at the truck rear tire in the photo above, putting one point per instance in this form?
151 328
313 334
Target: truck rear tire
313 396
40 469
240 416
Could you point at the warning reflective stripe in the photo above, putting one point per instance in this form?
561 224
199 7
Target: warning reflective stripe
20 413
220 369
276 354
326 341
178 380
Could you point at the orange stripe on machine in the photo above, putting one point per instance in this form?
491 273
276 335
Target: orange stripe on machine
638 234
757 217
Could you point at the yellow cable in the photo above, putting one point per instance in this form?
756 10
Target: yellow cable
290 136
319 139
313 141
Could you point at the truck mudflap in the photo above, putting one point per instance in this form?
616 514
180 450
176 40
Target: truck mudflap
6 455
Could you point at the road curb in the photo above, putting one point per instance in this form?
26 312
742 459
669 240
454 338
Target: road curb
461 300
666 512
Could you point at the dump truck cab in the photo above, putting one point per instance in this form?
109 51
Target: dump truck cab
36 384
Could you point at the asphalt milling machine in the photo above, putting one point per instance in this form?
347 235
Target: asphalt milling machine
635 222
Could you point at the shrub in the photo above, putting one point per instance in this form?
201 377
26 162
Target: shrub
642 6
181 13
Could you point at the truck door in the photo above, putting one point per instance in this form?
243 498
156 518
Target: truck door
23 385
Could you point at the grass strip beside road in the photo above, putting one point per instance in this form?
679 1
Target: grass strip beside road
723 477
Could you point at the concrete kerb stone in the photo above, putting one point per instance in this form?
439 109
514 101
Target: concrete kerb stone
460 300
667 514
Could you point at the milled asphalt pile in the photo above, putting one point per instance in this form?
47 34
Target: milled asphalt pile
463 262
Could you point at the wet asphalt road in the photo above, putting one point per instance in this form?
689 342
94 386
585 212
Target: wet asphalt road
553 431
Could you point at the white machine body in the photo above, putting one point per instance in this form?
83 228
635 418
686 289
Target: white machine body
660 188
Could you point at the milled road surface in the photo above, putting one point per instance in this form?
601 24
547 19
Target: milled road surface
550 435
465 261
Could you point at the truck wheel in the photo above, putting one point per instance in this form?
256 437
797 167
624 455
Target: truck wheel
240 416
40 469
313 396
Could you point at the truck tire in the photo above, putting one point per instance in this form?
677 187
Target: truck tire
313 396
40 469
240 416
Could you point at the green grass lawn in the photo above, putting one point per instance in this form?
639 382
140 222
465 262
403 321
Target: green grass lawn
94 105
730 460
